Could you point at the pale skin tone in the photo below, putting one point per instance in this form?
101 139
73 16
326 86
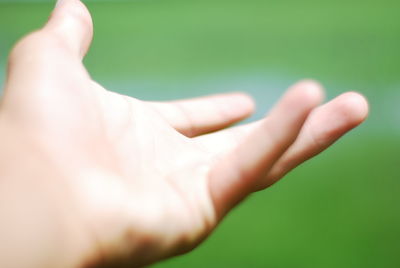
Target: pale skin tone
89 177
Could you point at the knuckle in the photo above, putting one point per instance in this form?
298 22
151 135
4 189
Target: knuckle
21 47
36 46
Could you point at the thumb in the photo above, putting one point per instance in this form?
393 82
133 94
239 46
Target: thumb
64 39
72 23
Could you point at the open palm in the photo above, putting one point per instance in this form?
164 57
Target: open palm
147 178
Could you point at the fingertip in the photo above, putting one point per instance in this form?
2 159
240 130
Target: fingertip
355 106
305 94
234 106
312 91
310 82
244 102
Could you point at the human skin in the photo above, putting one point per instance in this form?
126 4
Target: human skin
92 178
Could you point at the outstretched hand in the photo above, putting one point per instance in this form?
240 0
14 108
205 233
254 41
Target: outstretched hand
133 182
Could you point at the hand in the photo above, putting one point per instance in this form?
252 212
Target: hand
133 182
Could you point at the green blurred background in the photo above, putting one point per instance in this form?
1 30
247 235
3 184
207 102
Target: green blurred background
340 210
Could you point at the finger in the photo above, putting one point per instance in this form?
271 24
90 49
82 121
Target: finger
205 114
235 175
72 22
67 35
45 55
330 121
225 140
324 126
